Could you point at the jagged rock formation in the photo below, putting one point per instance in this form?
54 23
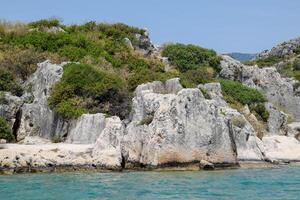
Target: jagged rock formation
278 90
169 125
174 125
281 50
37 118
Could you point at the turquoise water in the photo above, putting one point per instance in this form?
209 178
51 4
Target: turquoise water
276 183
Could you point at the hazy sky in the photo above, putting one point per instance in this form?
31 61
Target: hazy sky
224 25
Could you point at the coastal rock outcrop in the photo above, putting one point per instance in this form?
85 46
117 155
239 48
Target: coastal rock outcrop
278 90
281 50
37 118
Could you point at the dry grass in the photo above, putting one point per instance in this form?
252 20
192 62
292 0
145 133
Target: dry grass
16 27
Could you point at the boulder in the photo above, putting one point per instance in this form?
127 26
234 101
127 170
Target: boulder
206 165
277 121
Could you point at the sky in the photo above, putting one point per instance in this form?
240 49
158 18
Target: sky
248 26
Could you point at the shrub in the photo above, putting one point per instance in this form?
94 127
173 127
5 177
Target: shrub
260 111
190 57
236 93
266 62
9 84
296 64
81 82
45 23
241 93
5 131
193 78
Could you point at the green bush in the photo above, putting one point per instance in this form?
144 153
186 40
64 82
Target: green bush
266 62
260 111
190 57
236 93
241 93
45 23
9 84
81 82
193 78
5 131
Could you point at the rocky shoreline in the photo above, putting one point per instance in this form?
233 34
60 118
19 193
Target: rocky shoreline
170 127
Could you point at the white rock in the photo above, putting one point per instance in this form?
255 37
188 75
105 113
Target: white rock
107 149
282 148
86 129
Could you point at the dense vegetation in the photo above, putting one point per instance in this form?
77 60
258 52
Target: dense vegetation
84 88
190 57
5 132
237 94
109 68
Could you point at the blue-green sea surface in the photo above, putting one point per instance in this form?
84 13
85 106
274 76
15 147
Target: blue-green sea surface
276 183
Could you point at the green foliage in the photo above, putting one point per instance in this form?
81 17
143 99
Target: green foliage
190 57
45 23
296 64
5 132
236 93
260 111
81 83
241 93
9 84
266 62
193 78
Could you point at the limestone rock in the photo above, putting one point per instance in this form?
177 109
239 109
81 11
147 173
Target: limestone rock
37 118
107 150
86 129
185 128
144 43
206 165
278 90
281 50
249 146
214 92
277 121
293 130
282 148
10 107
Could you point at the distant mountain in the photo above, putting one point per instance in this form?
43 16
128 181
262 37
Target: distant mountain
242 56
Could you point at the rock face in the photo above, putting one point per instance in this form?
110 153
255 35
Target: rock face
277 122
175 125
86 129
10 108
281 50
108 149
37 118
279 91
